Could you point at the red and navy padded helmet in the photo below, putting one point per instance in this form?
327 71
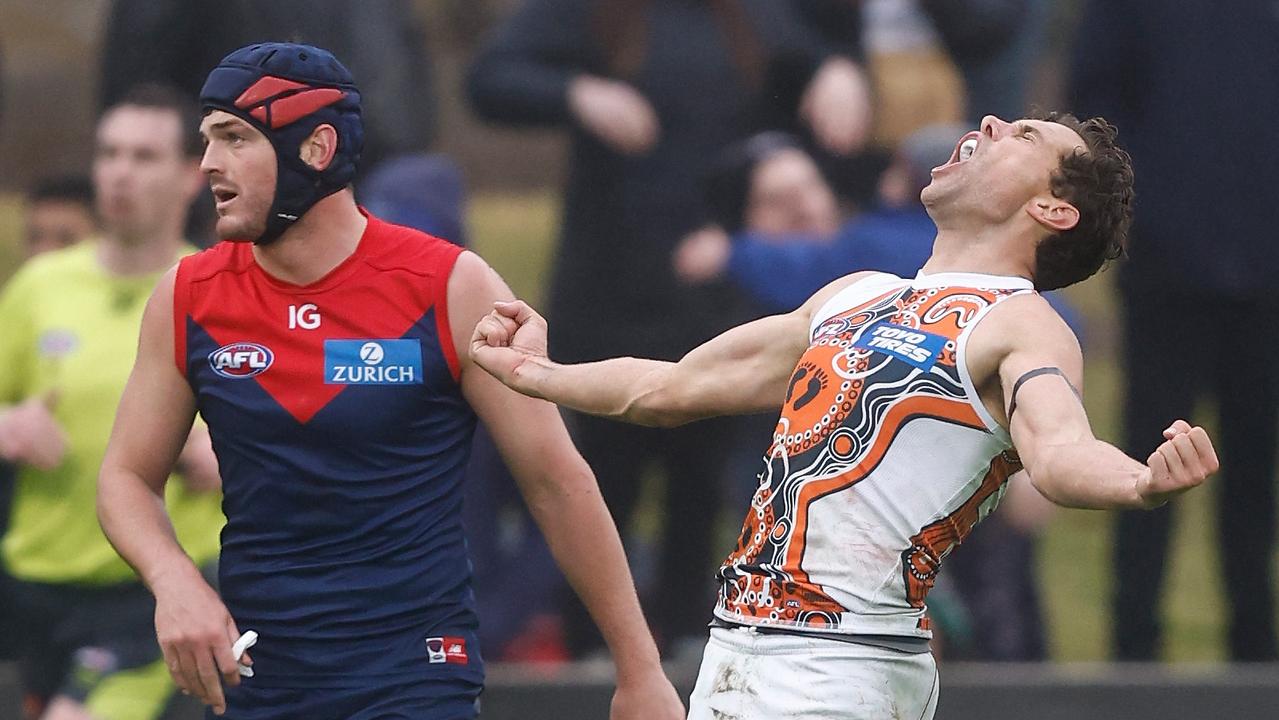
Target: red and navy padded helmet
286 90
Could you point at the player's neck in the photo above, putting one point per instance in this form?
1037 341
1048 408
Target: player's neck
983 251
124 255
317 243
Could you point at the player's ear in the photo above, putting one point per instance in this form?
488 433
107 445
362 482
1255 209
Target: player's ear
320 147
1053 213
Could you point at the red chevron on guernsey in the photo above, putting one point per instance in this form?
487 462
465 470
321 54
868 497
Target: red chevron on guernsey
279 101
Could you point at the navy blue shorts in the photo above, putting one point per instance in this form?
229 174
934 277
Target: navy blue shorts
436 699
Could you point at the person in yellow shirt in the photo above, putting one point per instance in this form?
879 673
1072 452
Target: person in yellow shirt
57 213
68 333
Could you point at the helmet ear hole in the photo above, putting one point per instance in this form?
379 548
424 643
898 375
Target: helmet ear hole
286 91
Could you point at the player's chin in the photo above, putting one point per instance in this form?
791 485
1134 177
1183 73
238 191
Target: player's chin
237 229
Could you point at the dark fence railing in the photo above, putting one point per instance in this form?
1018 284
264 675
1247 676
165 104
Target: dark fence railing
969 692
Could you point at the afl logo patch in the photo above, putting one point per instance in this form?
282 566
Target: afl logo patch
241 360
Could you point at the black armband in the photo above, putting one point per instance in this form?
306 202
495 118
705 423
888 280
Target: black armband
1012 405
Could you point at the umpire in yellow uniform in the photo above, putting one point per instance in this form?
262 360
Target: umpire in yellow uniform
82 621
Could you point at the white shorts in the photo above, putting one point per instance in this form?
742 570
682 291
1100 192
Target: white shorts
747 675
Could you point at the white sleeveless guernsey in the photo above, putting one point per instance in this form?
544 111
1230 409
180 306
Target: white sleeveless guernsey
883 459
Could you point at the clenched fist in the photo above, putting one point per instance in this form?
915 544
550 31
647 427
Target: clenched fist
510 344
1184 460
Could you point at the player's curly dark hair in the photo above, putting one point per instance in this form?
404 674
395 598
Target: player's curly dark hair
1099 184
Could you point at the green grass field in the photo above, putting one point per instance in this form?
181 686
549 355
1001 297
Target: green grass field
516 236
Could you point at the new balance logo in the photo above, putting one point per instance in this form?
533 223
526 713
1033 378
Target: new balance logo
446 650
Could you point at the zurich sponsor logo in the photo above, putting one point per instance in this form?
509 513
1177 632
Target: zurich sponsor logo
373 362
241 360
910 345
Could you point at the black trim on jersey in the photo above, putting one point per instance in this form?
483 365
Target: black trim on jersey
1012 406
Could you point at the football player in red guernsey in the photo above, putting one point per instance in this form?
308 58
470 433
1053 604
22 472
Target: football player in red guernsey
326 349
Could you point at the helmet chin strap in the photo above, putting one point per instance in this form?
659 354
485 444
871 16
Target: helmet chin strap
288 207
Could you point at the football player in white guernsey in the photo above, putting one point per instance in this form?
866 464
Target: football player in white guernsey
905 405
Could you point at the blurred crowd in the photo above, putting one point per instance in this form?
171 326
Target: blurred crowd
726 158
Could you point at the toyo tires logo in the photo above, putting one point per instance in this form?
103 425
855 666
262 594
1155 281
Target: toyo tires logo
241 360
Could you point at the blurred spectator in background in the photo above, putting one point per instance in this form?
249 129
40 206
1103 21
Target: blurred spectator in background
995 45
58 213
938 61
916 83
1191 86
82 621
788 235
652 91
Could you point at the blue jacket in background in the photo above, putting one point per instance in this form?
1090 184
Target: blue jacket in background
781 273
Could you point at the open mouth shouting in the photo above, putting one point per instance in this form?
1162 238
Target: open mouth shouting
964 149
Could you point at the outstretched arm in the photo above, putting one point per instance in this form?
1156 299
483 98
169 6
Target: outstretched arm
1040 373
566 503
744 370
152 423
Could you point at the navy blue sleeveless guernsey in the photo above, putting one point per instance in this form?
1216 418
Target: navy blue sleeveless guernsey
342 434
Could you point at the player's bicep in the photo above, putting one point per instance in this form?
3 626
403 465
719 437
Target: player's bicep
529 433
526 430
1042 380
472 289
157 408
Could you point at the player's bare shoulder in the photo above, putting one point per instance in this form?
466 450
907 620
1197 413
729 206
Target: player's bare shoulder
473 287
819 299
1028 320
1024 324
157 318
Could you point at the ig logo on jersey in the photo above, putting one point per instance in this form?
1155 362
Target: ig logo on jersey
372 362
241 360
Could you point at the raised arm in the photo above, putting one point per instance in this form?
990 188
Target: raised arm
744 370
1039 371
565 501
152 424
